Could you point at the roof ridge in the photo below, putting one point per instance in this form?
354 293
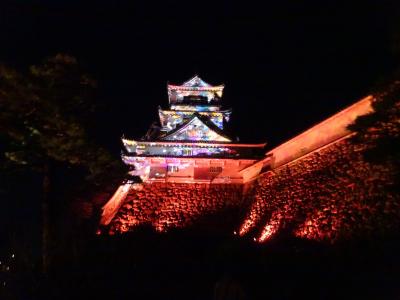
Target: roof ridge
196 82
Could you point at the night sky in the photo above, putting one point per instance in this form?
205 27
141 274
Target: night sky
286 65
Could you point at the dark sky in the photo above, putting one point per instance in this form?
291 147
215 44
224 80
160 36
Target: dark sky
286 65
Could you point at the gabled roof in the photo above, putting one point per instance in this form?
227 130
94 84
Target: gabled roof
196 83
197 128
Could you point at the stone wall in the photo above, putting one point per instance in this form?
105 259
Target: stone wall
330 194
171 205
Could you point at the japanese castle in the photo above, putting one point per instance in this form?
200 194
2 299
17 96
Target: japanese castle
190 143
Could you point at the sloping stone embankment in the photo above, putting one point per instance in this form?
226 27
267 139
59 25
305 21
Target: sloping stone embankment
330 194
171 205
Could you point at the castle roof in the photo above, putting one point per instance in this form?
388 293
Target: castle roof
196 84
197 128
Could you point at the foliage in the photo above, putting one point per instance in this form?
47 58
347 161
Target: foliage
44 116
380 129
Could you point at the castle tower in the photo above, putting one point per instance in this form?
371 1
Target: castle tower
190 143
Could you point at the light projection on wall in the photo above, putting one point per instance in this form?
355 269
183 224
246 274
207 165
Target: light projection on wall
170 119
194 87
184 150
189 130
217 120
195 81
195 130
210 151
198 108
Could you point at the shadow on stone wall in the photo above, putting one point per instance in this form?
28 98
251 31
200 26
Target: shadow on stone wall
165 206
328 195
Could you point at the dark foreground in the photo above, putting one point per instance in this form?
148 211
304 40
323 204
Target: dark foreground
192 265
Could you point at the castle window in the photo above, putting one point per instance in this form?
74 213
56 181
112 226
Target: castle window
215 169
173 169
187 152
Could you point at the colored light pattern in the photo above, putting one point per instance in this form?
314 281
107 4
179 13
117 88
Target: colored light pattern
171 119
182 125
182 151
180 96
130 145
146 169
196 81
194 87
217 120
198 108
195 130
211 151
192 130
140 164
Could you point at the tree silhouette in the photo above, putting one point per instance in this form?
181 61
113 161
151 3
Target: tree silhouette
378 133
45 114
380 129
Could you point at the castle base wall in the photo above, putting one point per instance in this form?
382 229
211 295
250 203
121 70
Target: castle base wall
165 206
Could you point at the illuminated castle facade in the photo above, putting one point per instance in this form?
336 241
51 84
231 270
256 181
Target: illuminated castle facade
314 185
190 143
